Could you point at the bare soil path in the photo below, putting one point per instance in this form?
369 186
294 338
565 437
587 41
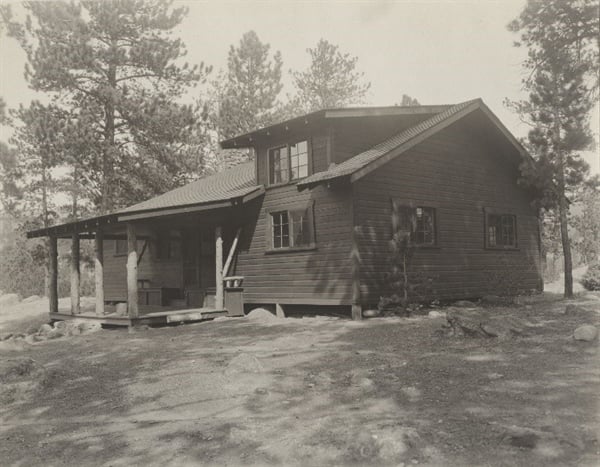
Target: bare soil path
313 391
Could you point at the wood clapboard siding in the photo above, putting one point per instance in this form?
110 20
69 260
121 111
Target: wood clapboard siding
459 175
163 273
316 276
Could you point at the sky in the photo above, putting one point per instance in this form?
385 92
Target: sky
440 52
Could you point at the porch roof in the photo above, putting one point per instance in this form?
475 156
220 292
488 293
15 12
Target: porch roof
228 188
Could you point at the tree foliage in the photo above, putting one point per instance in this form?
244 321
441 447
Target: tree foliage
562 42
113 67
246 93
331 79
587 225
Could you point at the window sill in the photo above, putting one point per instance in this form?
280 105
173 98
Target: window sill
502 248
291 182
425 247
293 249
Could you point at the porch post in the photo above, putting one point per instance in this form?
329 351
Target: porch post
75 275
132 273
99 271
355 258
219 301
53 269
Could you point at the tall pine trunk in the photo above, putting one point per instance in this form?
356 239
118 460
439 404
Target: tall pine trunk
563 212
106 202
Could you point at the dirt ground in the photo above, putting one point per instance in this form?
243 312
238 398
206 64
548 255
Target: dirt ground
311 391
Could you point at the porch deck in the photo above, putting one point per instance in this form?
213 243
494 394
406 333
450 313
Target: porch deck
154 316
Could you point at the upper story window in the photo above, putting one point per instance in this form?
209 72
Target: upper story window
419 222
501 230
289 162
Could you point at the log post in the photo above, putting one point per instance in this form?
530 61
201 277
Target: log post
75 275
99 271
219 298
132 273
355 259
53 269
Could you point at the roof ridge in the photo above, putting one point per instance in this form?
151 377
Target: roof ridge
357 162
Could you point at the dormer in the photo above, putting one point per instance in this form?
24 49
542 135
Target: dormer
294 149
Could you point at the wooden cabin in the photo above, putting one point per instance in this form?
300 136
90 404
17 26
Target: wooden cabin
309 221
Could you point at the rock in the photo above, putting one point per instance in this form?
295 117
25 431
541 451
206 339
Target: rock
366 384
8 299
32 329
521 437
466 322
261 315
121 309
372 313
244 363
56 333
491 299
261 391
491 330
31 298
45 329
464 304
62 325
436 314
87 327
5 336
30 338
586 333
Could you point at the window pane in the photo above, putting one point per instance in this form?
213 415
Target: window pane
280 229
299 160
278 165
301 229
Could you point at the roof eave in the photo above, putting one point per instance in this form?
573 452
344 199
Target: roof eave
92 224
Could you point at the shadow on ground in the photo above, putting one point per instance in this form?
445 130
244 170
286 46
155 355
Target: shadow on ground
315 392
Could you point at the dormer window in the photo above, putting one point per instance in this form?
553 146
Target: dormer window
289 162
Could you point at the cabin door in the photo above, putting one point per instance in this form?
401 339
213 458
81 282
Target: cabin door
199 259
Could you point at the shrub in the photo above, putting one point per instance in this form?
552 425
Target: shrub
591 279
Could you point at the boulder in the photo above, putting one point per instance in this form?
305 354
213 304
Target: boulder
585 333
31 298
87 327
466 322
45 329
244 363
32 329
372 313
56 333
464 304
260 314
9 299
5 336
436 314
62 325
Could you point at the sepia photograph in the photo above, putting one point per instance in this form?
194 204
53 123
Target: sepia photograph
299 233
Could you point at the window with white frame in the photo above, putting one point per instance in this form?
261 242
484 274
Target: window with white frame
289 162
292 228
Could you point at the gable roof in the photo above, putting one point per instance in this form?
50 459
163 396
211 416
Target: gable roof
223 189
358 166
248 139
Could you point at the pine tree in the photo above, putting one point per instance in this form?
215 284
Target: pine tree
331 80
112 66
562 66
252 84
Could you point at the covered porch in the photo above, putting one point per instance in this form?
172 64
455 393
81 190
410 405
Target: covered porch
155 266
